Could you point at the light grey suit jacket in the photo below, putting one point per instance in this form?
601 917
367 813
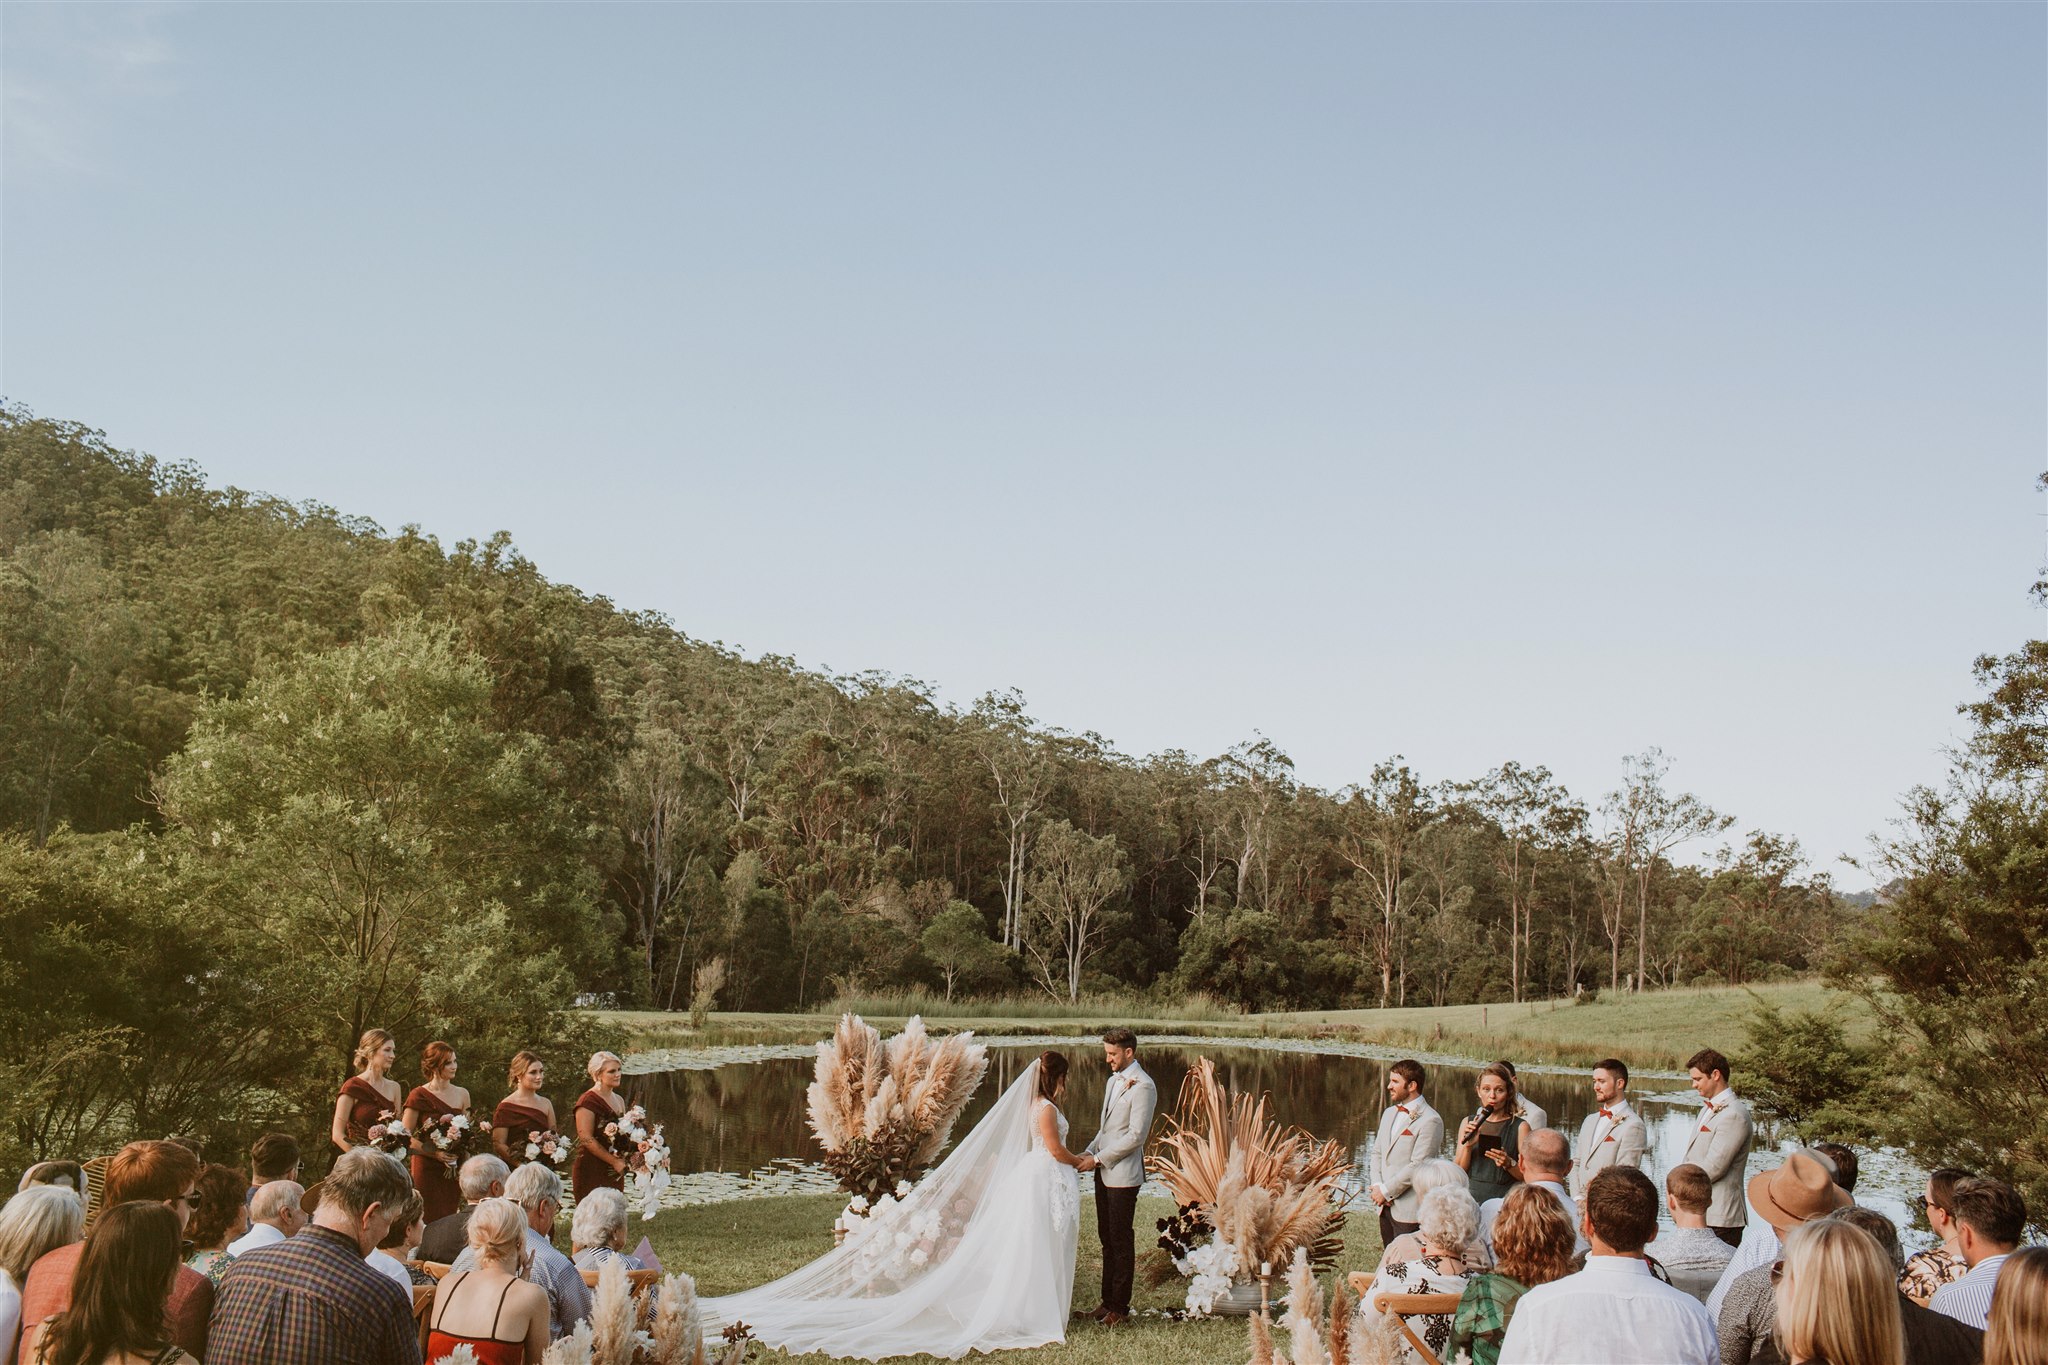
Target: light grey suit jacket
1720 1147
1605 1143
1403 1140
1128 1103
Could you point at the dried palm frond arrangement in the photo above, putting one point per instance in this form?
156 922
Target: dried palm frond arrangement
1371 1340
1251 1193
883 1114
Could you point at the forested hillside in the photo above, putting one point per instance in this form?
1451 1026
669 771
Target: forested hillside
277 749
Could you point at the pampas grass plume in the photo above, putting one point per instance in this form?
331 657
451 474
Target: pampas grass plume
612 1319
573 1349
461 1355
1340 1322
678 1328
1305 1312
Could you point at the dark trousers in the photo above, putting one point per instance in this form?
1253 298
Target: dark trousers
1116 1212
1732 1236
1390 1227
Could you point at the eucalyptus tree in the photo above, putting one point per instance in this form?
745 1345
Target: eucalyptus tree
1381 822
1075 876
1011 749
1655 823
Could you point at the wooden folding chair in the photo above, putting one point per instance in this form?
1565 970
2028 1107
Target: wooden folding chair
95 1187
423 1313
438 1269
636 1280
1401 1307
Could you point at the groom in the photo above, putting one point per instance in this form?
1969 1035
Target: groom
1117 1156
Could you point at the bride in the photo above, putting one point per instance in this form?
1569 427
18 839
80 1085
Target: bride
979 1256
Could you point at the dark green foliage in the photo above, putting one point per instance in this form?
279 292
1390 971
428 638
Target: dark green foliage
1804 1070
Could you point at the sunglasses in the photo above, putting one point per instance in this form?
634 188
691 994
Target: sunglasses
1777 1271
1922 1204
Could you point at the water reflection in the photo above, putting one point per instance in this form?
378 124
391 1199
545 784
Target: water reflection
741 1118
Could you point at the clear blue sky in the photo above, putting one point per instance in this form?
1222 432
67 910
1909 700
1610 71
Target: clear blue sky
1467 382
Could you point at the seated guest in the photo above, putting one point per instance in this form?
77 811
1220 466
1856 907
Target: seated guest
1450 1241
274 1214
1613 1312
1688 1250
1990 1217
1795 1193
481 1177
1843 1160
142 1172
1838 1298
1757 1247
65 1174
1423 1177
488 1307
274 1156
220 1217
390 1257
1931 1338
117 1308
538 1190
1546 1164
1927 1271
311 1299
1532 1245
2018 1334
38 1220
598 1231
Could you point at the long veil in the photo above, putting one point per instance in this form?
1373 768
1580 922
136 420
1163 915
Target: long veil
970 1259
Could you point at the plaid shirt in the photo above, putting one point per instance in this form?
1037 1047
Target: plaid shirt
310 1300
1482 1317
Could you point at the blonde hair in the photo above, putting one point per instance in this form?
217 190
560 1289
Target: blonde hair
369 1045
1839 1298
520 1062
41 1218
600 1060
497 1232
2018 1331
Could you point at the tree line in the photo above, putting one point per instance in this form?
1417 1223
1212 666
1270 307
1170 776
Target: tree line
270 774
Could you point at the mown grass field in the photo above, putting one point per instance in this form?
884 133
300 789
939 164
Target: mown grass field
734 1246
1656 1030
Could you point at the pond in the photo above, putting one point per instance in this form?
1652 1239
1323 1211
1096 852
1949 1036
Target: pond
735 1117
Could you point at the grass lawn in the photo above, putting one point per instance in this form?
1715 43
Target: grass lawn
1655 1030
734 1246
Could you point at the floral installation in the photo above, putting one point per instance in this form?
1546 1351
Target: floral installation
883 1114
661 1327
891 1240
387 1134
1348 1339
548 1146
1244 1183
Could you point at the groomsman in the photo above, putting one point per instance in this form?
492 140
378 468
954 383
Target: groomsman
1410 1132
1613 1134
1720 1144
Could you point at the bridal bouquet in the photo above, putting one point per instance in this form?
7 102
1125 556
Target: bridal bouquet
546 1145
883 1114
387 1134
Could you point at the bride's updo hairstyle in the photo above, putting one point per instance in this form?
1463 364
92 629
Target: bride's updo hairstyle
1052 1069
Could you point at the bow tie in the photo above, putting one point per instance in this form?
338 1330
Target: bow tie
1606 1113
1400 1108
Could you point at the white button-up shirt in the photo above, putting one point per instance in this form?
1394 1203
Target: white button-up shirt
1614 1312
258 1235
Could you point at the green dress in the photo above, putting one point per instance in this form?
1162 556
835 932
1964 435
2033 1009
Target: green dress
1482 1317
1489 1181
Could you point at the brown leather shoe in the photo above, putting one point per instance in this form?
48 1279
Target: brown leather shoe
1094 1314
1112 1318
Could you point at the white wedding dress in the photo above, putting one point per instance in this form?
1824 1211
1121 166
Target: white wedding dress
978 1257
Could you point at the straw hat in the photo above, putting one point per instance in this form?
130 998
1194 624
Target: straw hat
1797 1192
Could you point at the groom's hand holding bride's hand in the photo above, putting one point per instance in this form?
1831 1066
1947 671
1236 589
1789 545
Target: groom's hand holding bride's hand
1086 1163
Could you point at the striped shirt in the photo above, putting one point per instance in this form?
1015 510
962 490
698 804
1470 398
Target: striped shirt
1968 1300
310 1300
568 1297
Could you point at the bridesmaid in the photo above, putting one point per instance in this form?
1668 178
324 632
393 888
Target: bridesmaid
597 1165
369 1093
523 1111
433 1170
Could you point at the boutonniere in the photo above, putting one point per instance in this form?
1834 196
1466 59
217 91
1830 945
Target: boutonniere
1130 1081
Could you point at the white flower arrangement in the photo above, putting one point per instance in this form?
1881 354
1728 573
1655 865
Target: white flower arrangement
892 1240
544 1144
1213 1267
650 1162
